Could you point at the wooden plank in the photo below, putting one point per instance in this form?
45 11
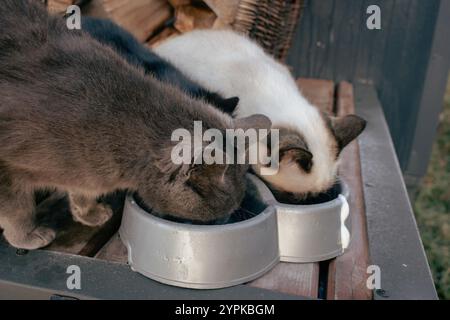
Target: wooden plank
348 273
114 250
140 17
300 279
319 92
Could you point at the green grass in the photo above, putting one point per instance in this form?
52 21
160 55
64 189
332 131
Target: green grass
432 206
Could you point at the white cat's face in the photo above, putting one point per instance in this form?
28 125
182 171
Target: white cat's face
308 164
291 177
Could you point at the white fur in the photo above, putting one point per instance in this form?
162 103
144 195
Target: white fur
233 65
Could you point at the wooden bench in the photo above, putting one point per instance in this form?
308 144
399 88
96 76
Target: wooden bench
102 257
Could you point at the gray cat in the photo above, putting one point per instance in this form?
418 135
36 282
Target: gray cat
75 117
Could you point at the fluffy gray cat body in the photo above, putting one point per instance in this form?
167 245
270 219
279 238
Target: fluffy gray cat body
77 118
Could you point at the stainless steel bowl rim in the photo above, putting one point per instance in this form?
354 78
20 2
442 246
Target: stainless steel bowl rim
271 200
200 228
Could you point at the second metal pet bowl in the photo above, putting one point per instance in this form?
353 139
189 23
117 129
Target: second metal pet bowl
201 256
314 232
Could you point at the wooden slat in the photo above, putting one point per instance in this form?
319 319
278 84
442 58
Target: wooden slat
140 17
319 92
113 251
301 279
347 273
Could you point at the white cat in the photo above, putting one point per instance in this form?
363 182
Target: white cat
233 65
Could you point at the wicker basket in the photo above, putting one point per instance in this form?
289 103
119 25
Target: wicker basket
269 22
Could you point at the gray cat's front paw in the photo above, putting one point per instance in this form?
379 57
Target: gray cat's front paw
38 238
97 216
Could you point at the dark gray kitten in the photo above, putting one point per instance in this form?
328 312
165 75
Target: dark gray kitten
77 118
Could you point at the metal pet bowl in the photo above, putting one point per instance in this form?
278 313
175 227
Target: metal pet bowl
201 256
311 233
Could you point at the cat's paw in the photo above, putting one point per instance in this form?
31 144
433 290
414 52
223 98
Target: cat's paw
97 216
38 238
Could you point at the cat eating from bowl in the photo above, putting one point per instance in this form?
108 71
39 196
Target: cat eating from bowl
76 118
310 141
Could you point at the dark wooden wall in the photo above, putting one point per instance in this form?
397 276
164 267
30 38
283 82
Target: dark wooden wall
333 42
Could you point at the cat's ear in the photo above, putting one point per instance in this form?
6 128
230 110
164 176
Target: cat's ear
256 122
296 152
346 129
229 105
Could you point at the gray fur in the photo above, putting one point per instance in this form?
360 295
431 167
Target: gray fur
77 118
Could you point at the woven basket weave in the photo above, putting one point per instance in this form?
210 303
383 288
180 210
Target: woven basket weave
270 22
